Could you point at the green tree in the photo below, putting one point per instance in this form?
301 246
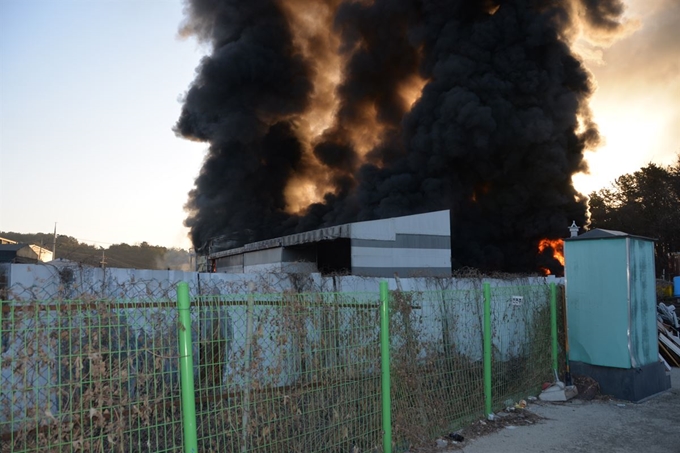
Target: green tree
644 203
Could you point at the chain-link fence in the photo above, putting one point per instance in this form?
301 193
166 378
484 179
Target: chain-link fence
281 371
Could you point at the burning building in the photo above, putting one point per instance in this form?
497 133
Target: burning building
417 245
326 113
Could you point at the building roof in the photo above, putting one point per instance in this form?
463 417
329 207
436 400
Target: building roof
12 247
599 233
17 253
437 223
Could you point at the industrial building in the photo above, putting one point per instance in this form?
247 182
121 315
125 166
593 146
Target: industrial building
409 246
14 252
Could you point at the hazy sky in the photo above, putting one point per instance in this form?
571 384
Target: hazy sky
637 103
89 94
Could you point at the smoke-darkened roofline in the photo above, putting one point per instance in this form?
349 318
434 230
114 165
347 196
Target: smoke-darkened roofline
323 234
418 244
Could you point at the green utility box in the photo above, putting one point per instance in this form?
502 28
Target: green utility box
611 313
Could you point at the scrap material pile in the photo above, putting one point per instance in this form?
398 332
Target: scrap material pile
669 335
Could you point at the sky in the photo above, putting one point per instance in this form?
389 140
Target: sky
90 91
637 102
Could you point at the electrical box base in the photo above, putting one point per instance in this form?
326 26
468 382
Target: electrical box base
631 384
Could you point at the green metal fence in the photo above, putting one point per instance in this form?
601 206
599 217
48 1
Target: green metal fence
288 372
279 372
89 376
445 375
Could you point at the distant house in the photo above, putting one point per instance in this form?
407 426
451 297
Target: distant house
13 252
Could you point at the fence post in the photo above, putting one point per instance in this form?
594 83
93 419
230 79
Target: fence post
553 324
487 349
248 351
186 369
385 367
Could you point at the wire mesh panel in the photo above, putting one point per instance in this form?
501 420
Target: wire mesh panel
437 355
274 370
521 342
436 362
288 372
94 376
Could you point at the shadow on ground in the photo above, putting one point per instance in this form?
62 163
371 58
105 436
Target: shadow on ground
597 425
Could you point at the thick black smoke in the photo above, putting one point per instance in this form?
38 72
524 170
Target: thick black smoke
243 102
500 127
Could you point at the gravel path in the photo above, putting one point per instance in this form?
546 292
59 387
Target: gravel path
593 426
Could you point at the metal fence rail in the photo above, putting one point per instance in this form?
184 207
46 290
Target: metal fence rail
280 372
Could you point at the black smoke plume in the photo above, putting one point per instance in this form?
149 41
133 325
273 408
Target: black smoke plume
477 106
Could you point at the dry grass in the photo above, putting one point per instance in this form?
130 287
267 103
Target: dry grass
84 376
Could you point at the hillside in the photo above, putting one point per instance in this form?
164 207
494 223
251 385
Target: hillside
142 256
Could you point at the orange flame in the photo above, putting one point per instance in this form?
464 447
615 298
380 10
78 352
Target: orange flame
481 189
557 246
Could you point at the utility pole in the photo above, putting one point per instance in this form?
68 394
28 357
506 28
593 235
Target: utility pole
103 261
54 243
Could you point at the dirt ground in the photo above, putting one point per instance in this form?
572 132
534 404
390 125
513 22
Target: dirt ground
579 426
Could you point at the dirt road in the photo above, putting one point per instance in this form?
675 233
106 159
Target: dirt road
593 426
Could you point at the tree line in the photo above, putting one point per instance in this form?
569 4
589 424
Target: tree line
139 256
644 203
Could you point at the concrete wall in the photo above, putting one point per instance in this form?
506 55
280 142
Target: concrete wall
443 308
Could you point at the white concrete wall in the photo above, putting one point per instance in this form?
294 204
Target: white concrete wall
442 308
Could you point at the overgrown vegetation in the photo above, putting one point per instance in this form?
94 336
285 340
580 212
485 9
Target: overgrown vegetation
274 372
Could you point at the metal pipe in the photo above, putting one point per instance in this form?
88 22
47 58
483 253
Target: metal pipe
186 369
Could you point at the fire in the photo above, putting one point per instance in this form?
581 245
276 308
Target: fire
481 189
314 38
411 90
557 246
